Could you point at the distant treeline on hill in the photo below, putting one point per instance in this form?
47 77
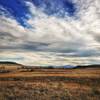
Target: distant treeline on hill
88 66
50 67
8 62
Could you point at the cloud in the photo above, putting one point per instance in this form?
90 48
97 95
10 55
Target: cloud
46 58
58 8
55 39
17 9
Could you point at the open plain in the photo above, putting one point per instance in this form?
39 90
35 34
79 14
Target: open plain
50 84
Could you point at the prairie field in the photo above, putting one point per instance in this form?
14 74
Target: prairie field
50 84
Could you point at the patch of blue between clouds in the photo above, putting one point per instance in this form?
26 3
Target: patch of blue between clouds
17 9
20 11
56 7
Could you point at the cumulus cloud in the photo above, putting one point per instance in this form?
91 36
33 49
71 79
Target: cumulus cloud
52 39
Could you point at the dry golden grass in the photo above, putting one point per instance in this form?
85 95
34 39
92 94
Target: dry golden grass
50 84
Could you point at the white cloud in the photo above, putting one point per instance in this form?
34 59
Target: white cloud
69 35
46 58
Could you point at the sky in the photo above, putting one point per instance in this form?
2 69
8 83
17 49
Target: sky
50 32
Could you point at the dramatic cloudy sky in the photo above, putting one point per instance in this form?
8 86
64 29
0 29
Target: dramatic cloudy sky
50 32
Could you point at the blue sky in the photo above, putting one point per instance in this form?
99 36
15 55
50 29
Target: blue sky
50 32
21 13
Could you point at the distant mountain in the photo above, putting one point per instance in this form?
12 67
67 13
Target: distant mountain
88 66
64 66
69 66
9 63
9 66
14 63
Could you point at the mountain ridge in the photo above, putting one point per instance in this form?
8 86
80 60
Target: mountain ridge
64 66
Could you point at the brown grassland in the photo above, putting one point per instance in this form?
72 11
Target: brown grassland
50 84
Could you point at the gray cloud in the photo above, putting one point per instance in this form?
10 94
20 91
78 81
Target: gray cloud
54 40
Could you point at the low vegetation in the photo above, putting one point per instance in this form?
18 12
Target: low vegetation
50 84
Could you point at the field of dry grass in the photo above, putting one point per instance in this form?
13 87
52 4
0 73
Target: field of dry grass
50 84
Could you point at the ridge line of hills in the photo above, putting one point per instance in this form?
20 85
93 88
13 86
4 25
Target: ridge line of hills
65 66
